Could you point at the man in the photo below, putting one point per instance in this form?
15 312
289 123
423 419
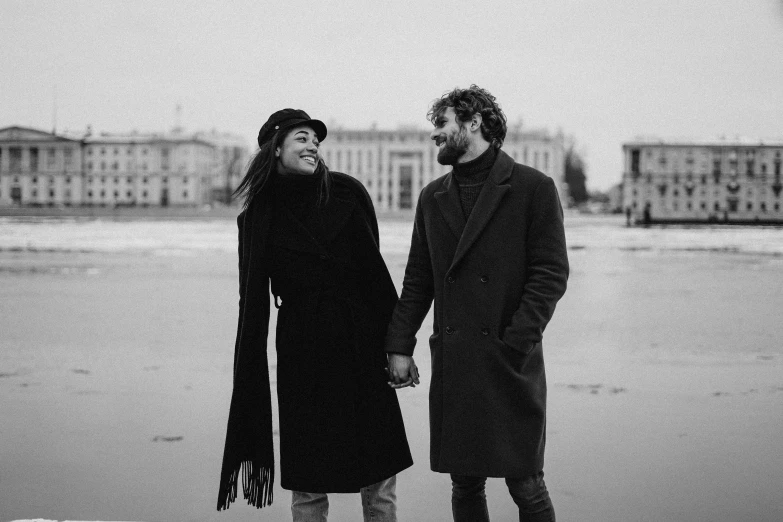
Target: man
489 247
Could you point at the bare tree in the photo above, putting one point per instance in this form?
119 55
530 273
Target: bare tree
575 171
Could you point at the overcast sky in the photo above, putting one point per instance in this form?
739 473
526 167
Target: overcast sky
603 71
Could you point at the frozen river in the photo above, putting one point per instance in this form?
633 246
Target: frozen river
191 237
664 363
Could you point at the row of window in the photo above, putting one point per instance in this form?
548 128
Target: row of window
717 169
128 194
165 165
348 158
90 194
50 154
114 166
144 151
164 152
364 136
356 157
718 159
703 178
733 206
676 193
15 157
716 153
129 179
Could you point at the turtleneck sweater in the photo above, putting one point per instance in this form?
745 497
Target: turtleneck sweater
299 194
471 176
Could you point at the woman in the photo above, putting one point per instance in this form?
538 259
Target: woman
314 235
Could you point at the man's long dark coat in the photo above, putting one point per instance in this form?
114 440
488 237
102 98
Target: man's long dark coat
495 279
340 423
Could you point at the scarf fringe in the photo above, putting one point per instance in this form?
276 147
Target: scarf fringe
257 482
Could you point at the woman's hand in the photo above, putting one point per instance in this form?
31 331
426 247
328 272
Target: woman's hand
402 370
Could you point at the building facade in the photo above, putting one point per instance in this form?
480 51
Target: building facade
39 168
394 165
723 181
147 170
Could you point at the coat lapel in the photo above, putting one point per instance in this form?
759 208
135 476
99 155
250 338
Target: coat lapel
450 207
488 201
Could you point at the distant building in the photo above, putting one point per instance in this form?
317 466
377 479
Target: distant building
39 168
148 170
722 180
394 165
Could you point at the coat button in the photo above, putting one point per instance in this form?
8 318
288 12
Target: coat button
449 330
484 279
485 331
450 279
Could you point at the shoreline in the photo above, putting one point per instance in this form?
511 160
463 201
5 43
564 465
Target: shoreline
204 212
125 213
230 212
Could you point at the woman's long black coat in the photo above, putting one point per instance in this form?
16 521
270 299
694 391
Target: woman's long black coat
340 423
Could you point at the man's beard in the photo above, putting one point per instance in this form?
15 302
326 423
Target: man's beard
456 146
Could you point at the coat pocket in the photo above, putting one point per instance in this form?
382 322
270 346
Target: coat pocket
524 348
506 356
434 338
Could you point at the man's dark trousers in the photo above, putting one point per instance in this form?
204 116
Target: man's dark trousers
469 501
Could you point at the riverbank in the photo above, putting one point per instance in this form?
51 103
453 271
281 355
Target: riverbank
204 212
124 213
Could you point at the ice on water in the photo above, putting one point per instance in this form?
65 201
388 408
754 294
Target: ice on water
192 237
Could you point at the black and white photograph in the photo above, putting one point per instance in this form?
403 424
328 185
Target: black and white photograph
391 262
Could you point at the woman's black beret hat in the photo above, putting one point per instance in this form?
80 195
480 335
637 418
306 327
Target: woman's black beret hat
287 118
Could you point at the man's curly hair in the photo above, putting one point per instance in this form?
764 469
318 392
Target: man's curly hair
466 103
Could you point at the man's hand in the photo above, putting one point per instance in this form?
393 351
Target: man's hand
402 371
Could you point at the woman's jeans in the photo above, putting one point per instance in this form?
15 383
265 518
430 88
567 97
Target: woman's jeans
379 503
469 502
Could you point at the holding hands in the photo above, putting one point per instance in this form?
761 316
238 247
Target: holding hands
402 370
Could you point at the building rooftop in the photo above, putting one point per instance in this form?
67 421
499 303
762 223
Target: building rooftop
18 132
721 141
513 131
137 137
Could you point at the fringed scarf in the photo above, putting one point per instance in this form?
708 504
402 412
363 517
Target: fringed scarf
249 444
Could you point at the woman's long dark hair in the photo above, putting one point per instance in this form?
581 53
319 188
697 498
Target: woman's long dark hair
264 165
